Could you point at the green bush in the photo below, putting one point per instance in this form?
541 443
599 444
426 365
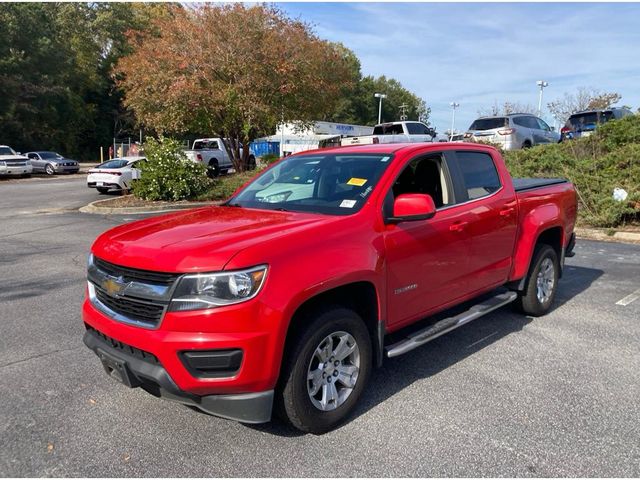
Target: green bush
168 174
223 187
596 165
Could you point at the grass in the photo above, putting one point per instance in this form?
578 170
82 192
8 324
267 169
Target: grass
224 186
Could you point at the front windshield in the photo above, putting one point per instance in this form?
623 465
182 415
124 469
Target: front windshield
6 151
115 163
335 184
49 155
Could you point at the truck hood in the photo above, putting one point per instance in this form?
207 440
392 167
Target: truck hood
17 158
196 240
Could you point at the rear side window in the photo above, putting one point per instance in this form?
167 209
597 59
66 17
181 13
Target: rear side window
388 129
489 123
415 128
479 174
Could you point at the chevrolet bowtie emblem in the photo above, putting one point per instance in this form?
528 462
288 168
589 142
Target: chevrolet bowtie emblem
115 287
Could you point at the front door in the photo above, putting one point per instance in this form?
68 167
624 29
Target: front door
427 260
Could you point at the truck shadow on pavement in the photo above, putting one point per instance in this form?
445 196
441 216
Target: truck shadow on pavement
399 373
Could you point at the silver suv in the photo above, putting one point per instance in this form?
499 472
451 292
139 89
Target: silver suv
512 132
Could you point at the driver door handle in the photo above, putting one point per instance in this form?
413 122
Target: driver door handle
458 226
506 212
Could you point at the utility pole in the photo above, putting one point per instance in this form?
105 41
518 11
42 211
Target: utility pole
380 96
454 105
542 84
403 109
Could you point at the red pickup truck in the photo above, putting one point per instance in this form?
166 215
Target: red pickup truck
285 297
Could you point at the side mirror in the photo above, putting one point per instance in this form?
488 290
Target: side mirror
553 129
410 207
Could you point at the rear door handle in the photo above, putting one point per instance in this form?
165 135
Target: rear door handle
506 212
458 226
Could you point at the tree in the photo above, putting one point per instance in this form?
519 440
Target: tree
507 108
233 70
56 90
359 106
583 99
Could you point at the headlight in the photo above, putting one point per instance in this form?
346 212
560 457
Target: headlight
3 164
210 290
277 197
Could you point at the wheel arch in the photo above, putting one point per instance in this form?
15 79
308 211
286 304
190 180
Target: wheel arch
360 296
552 235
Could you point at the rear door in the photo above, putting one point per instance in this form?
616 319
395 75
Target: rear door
492 215
427 260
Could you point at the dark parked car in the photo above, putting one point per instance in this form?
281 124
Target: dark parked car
52 163
582 124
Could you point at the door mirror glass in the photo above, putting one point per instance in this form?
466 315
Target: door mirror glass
413 206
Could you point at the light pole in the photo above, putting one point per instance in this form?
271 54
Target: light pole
542 84
454 105
380 96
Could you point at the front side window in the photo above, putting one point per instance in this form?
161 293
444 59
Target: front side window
334 184
479 174
425 175
543 125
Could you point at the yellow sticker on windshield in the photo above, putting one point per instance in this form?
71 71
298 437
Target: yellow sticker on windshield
358 182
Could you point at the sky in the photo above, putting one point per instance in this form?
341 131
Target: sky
477 54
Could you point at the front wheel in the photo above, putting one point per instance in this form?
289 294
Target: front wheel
49 170
542 282
326 371
102 190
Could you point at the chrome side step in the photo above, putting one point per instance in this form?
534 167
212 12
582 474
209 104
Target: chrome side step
421 337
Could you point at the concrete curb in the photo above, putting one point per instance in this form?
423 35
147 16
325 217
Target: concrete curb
605 236
95 207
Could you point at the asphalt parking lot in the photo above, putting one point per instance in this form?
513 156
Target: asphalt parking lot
504 396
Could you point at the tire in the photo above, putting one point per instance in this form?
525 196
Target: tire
526 145
102 190
296 401
212 169
48 169
536 298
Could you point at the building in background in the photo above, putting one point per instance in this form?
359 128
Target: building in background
293 137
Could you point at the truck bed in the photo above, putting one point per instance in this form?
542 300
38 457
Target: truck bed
523 184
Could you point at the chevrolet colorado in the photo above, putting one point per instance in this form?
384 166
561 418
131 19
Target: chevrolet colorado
286 300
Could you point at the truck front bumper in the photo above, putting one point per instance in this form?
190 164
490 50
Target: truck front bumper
137 368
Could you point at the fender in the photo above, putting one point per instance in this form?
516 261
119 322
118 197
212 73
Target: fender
533 224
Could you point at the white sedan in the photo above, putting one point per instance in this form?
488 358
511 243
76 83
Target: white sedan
117 174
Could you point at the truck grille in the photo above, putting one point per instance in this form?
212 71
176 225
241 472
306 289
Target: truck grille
133 275
129 295
16 164
142 311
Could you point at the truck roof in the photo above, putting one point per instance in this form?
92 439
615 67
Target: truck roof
396 147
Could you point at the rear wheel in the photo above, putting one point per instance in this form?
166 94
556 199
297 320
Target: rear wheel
212 169
526 144
102 190
542 282
326 371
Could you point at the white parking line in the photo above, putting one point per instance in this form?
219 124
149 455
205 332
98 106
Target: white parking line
632 297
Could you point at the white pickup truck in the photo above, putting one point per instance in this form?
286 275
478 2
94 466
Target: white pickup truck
12 163
394 132
213 153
